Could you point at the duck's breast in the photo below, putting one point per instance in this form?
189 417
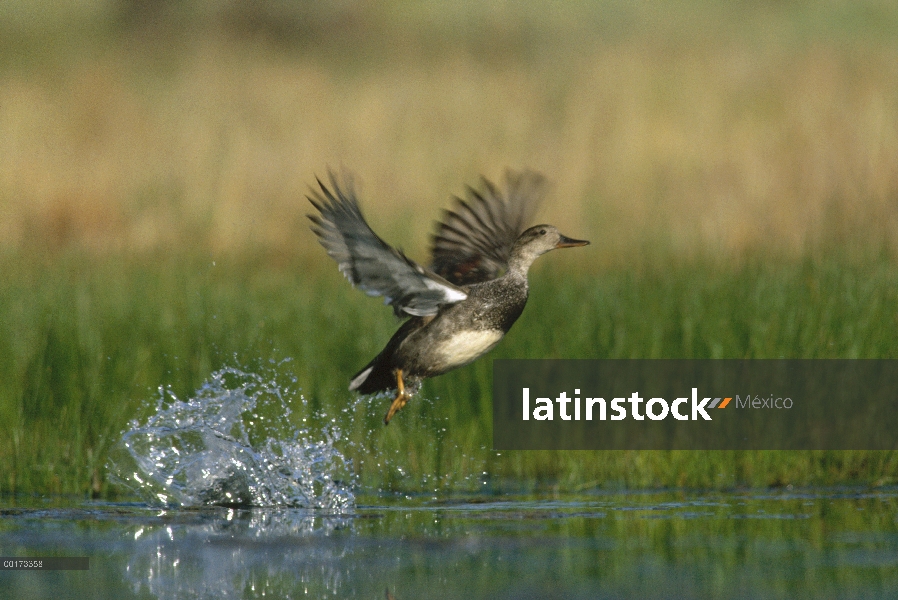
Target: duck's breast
465 346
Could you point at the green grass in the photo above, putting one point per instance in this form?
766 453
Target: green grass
732 164
90 339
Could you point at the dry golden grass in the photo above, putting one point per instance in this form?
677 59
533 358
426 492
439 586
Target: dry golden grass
723 144
705 128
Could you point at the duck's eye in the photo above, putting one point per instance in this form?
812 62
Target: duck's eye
542 232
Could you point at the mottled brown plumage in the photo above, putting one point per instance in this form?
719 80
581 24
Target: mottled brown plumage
459 308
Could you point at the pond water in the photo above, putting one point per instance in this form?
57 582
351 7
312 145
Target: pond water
785 544
198 464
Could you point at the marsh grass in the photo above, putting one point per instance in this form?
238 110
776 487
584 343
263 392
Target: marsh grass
705 125
736 168
94 338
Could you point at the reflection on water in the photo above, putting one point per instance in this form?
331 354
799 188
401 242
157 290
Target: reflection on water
200 463
232 444
817 543
227 551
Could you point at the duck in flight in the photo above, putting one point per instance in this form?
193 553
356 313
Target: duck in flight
460 307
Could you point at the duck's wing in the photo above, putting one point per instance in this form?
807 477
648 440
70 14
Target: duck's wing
473 242
368 262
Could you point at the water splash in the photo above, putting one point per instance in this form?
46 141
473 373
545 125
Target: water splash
232 444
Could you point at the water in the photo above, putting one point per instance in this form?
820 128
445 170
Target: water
239 502
808 544
232 444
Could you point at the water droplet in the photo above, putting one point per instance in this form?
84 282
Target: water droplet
232 443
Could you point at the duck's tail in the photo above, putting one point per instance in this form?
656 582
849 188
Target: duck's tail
373 378
360 378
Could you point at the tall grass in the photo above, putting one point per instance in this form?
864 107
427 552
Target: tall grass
92 339
705 125
735 167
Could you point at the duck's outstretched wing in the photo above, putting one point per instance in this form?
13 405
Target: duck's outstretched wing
473 242
368 262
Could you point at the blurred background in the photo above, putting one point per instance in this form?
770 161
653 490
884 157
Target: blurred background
129 125
735 165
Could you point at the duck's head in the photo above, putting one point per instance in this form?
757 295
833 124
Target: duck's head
538 240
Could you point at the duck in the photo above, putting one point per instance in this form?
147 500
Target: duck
461 306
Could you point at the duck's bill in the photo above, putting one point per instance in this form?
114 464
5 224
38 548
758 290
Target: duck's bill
566 242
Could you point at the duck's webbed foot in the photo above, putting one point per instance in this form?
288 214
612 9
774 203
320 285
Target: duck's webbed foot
401 399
